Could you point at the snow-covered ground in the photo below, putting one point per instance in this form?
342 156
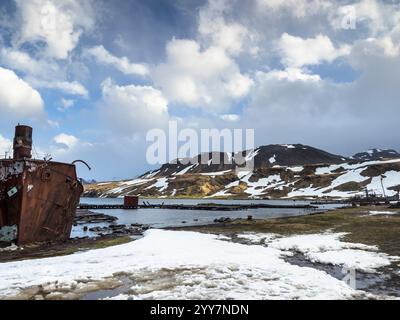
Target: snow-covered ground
189 265
382 213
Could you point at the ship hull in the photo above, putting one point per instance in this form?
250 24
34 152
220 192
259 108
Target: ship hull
38 200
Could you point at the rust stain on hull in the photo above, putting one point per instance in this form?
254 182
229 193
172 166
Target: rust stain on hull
38 199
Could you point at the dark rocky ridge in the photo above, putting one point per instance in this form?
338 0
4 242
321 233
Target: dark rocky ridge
376 154
264 157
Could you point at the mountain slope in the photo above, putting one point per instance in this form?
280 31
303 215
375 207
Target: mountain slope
376 154
280 171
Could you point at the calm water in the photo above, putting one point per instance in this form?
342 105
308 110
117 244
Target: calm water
161 218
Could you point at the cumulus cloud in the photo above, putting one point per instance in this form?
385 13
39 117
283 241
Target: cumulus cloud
132 109
72 88
201 78
21 61
18 98
65 141
5 145
298 52
291 75
41 73
58 24
123 64
231 36
341 116
297 8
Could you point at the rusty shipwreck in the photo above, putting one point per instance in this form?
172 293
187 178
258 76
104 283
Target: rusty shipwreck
38 198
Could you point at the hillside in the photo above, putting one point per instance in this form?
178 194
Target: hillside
376 154
280 171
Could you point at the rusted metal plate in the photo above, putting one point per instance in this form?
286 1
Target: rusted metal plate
8 233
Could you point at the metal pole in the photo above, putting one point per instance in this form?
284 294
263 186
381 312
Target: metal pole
383 188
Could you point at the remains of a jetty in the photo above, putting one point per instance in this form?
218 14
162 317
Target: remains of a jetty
38 198
206 207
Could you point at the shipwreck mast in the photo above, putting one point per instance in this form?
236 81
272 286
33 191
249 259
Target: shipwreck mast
22 142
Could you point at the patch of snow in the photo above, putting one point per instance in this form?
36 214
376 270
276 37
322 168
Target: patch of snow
199 267
213 174
250 155
384 213
103 183
242 174
126 184
288 146
221 193
272 160
296 169
185 170
352 175
327 248
259 187
258 238
161 184
12 247
392 178
152 174
347 166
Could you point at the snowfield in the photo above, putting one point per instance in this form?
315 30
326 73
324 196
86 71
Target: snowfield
189 265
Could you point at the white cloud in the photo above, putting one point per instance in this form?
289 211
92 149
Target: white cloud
19 60
201 78
72 88
133 109
291 74
59 24
297 8
5 145
233 37
123 64
65 141
298 52
66 104
18 98
333 115
41 73
53 123
230 117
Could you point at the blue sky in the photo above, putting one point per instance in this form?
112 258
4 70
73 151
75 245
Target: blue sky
92 77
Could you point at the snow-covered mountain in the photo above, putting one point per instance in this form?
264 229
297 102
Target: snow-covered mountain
280 171
376 154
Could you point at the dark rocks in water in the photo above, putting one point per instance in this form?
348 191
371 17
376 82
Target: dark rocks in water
85 228
118 226
184 222
97 229
250 218
222 220
120 229
86 216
